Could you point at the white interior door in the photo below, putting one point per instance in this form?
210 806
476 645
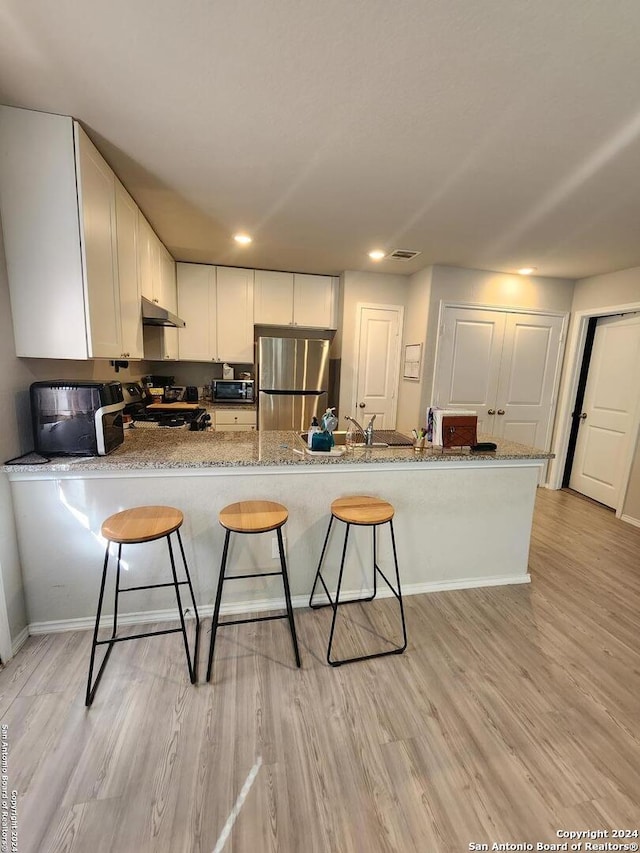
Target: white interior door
378 333
528 371
609 411
468 363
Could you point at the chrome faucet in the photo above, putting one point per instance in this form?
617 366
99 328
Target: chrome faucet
367 433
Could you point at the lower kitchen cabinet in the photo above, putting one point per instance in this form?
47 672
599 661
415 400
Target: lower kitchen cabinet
228 420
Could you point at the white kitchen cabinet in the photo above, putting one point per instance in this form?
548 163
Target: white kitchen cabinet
158 284
295 299
197 307
314 299
273 298
234 314
230 420
128 279
65 249
216 304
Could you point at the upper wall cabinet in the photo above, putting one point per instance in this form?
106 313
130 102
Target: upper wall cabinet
71 242
295 299
216 304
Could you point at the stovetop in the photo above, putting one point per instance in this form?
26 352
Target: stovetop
196 419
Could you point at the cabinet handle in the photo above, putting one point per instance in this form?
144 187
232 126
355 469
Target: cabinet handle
362 405
491 411
501 411
583 416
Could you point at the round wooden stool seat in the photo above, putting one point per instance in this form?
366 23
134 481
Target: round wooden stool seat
362 509
253 516
141 524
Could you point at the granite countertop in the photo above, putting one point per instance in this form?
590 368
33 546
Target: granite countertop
166 448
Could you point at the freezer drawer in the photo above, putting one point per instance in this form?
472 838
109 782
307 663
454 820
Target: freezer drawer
289 411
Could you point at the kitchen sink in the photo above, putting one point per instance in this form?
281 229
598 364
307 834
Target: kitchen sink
339 438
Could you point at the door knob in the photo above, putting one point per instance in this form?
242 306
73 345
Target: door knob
501 411
491 411
361 405
583 416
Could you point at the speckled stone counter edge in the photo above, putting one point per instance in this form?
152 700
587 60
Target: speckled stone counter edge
170 449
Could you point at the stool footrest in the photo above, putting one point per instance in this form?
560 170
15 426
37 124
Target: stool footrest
253 575
151 586
252 619
138 636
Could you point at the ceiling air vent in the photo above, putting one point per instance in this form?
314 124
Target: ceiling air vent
402 255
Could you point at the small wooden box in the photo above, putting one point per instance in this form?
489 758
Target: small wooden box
459 430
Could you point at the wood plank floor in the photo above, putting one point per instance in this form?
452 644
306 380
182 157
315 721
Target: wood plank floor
514 713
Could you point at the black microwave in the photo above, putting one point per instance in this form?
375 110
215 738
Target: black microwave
232 391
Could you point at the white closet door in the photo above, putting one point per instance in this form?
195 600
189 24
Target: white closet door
468 364
528 372
379 332
601 460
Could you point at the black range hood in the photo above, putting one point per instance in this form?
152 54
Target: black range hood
154 315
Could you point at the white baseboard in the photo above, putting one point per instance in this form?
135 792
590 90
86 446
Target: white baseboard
20 640
630 520
256 605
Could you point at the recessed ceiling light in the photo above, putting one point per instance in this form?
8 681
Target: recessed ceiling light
376 255
527 270
244 239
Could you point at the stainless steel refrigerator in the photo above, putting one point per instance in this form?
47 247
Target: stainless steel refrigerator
293 378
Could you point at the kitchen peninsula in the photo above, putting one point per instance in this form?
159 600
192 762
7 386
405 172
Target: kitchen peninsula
462 519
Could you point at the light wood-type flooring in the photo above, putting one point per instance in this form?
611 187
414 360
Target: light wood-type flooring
514 713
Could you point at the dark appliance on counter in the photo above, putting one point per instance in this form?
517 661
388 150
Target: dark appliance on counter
168 415
191 394
293 378
76 418
232 391
155 381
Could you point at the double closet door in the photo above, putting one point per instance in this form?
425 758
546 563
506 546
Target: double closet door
504 365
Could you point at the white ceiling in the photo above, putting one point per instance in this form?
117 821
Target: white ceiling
484 133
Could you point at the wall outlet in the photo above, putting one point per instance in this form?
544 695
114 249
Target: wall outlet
275 554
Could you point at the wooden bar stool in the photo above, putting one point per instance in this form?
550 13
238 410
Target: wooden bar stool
142 524
363 511
252 517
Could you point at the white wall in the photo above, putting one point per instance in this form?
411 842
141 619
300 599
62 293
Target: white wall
376 288
412 395
428 288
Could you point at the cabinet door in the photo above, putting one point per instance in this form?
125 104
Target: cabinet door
96 192
313 298
274 297
168 297
128 283
234 314
528 371
145 260
468 363
196 306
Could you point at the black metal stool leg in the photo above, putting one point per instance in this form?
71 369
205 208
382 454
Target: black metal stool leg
337 601
399 596
192 670
193 601
91 691
375 564
287 596
216 609
318 575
